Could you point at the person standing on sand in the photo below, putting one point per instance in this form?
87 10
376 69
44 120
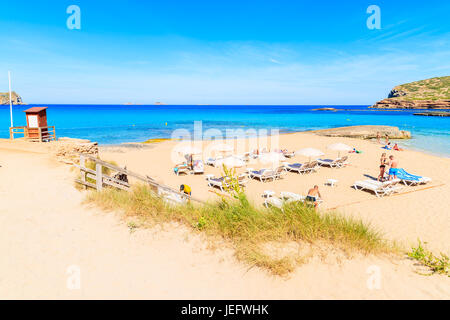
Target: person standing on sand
313 196
379 137
393 167
387 139
383 163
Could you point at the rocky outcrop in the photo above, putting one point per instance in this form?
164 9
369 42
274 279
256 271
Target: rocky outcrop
365 132
431 93
67 149
415 104
15 98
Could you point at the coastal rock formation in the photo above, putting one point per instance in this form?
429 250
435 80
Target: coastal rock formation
67 149
365 132
416 104
432 93
15 98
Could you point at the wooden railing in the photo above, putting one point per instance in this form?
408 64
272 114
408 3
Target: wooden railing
45 134
22 130
102 180
40 134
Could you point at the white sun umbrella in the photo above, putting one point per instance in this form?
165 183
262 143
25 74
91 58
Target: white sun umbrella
309 152
340 147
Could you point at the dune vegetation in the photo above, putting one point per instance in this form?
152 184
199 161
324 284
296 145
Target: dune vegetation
430 89
248 228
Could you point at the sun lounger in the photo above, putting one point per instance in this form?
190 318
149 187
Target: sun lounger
181 168
289 154
337 163
309 167
411 179
198 167
294 167
280 172
291 197
379 188
214 162
217 182
243 180
263 175
273 202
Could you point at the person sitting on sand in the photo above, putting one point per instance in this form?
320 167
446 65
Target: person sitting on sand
184 188
313 196
393 168
383 163
396 148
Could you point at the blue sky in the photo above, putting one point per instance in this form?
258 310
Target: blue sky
220 52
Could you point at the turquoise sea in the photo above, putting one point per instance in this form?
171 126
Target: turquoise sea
114 124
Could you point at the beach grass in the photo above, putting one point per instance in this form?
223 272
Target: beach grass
435 264
248 227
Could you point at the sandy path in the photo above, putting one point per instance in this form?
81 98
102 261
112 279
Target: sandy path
44 229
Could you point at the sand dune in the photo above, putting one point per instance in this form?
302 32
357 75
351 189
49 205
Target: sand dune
45 228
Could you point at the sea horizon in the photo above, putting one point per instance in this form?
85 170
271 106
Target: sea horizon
112 124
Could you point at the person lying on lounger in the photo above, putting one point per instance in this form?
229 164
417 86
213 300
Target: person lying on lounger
313 196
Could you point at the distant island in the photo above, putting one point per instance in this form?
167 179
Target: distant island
431 93
15 98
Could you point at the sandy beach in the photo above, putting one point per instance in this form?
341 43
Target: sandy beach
46 228
416 212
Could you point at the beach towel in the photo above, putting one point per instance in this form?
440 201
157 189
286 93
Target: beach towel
403 175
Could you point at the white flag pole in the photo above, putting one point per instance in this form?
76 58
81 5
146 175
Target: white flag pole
10 99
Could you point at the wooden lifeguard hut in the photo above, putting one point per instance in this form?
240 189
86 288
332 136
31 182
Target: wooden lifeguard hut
36 128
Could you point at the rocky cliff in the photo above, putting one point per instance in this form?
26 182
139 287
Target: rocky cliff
4 98
431 93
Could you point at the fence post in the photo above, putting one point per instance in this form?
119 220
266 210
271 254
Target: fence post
98 169
83 173
40 134
11 133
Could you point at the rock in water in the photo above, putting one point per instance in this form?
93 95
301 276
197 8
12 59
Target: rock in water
365 132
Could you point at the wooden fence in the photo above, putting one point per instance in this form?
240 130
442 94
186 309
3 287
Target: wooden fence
40 134
102 180
22 130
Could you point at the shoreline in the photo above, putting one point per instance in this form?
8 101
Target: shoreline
153 141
